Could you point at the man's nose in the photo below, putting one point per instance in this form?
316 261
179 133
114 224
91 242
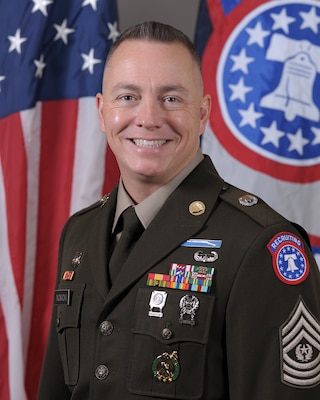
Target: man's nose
149 114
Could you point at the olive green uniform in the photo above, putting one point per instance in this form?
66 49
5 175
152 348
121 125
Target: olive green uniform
249 331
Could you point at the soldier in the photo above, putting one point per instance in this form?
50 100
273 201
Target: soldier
220 296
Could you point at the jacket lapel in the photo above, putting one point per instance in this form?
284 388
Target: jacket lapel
99 249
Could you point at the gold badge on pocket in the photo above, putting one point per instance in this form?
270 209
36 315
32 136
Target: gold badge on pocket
166 367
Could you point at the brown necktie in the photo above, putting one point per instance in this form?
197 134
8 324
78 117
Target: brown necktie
131 231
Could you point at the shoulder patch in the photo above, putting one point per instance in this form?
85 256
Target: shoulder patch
300 348
290 263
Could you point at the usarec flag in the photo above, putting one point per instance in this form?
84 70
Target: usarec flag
53 161
261 64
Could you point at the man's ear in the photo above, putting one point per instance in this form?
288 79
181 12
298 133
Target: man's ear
99 104
205 112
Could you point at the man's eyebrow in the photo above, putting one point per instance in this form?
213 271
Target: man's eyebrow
173 88
163 89
125 86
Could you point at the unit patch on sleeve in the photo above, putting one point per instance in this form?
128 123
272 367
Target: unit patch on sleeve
289 260
300 348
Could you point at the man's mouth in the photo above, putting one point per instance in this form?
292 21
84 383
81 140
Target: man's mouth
149 143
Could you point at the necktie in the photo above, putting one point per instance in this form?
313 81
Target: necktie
132 230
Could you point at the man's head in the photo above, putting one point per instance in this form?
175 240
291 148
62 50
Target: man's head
152 107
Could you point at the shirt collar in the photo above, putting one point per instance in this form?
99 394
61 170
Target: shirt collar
149 207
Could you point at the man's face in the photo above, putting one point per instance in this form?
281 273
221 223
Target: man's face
152 109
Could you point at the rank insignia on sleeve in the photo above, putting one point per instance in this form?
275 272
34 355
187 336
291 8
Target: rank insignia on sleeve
300 348
289 260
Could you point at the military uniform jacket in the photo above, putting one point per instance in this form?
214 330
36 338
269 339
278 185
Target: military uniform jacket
247 330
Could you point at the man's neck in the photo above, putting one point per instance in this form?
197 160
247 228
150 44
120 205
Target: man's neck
140 189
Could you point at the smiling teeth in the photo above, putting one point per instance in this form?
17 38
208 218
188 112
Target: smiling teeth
149 143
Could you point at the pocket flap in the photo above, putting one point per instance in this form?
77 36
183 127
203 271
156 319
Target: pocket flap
68 314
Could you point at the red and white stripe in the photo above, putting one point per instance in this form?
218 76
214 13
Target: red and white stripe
54 161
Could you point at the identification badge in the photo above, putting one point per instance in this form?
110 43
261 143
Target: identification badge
62 297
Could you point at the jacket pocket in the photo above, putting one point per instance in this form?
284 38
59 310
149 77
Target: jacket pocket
68 322
168 352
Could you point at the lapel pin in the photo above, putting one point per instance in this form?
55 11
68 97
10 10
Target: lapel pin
197 208
76 259
104 200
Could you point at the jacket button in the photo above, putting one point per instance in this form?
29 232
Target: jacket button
57 322
101 372
106 328
166 333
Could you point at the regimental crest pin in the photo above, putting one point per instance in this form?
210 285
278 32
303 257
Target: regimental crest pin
76 259
300 345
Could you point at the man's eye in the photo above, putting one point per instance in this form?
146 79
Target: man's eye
171 99
126 97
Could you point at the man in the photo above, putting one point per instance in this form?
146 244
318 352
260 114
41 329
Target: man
219 297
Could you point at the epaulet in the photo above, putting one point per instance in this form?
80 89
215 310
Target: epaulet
250 204
100 203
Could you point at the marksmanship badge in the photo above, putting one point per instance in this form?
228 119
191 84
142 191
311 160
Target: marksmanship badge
188 307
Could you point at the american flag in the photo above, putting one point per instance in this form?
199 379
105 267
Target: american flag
53 161
260 63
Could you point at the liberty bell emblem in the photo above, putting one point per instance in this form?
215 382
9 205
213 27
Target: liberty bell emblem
294 93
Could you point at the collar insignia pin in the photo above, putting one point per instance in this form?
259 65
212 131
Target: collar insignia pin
197 208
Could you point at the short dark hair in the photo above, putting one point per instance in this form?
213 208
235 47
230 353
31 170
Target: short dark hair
158 32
